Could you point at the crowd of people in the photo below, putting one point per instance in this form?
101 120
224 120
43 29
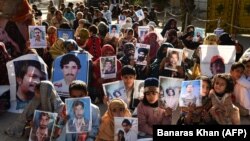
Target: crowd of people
225 95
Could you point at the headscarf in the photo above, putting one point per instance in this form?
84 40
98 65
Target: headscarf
151 39
225 39
210 40
106 48
168 26
70 45
58 48
48 101
84 35
128 23
106 130
103 29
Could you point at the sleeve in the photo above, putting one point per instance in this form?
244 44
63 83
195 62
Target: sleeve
143 123
95 123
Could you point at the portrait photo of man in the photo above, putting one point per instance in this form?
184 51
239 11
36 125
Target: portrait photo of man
114 30
70 66
108 67
37 36
190 93
65 34
43 125
217 65
28 74
77 122
142 56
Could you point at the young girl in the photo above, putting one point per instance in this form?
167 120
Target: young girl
223 110
149 113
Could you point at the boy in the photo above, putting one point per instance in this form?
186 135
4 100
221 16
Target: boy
242 88
78 89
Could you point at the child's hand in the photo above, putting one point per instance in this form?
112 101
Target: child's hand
168 111
105 100
57 132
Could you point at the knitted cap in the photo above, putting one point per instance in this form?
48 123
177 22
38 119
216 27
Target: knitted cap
216 58
151 84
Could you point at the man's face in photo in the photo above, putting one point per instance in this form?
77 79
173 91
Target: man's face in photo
141 56
70 71
126 127
108 65
113 30
30 79
78 111
44 121
217 67
65 36
174 59
37 34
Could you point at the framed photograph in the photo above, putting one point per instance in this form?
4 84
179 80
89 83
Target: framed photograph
69 67
65 33
115 90
37 37
216 59
138 92
43 126
170 89
190 93
122 20
198 33
108 67
141 53
140 14
188 53
126 129
24 73
114 30
142 32
175 58
79 112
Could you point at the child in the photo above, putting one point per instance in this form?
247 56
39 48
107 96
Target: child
223 110
242 86
149 113
199 115
78 89
116 108
93 45
80 26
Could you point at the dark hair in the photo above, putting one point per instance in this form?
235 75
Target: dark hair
64 25
70 57
127 122
189 83
144 50
113 26
77 103
128 70
174 52
78 85
236 65
42 114
121 132
21 67
167 91
93 29
108 60
36 28
228 79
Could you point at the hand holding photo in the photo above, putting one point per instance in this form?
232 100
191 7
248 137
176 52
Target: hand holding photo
140 14
142 32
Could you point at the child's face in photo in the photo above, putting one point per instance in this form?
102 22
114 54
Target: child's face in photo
205 88
237 73
220 85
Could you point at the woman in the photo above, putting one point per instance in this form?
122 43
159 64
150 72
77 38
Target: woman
58 48
151 39
128 37
45 99
116 108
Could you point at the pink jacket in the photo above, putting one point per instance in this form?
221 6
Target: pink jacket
149 116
